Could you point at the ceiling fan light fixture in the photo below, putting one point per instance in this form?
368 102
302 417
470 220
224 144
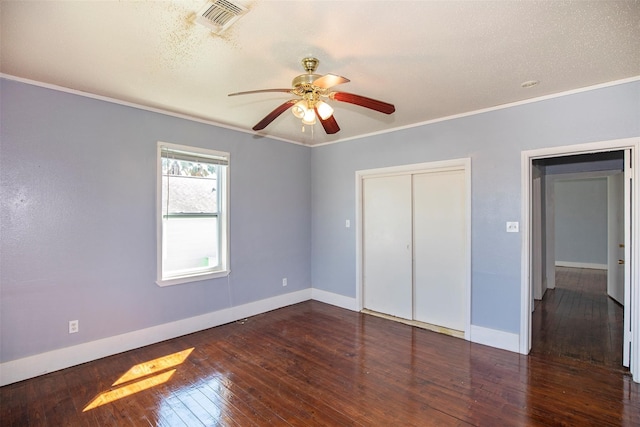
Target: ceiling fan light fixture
324 110
299 109
309 117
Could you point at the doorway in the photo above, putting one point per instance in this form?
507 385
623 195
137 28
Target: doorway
574 316
539 247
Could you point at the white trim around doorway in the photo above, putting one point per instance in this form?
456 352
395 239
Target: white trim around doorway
525 290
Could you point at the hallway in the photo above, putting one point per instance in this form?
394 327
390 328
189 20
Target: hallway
578 320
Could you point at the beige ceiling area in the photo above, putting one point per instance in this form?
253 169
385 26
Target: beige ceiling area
431 59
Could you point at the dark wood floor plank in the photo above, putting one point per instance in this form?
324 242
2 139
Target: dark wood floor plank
247 408
14 405
58 403
578 319
82 392
295 407
319 375
312 364
210 413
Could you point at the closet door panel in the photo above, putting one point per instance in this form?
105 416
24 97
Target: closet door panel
387 246
439 240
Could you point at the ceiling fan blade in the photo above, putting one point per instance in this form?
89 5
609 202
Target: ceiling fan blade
274 114
329 80
260 91
363 101
330 125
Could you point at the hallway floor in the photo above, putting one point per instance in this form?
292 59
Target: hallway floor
577 319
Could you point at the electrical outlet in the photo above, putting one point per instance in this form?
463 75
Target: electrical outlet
74 326
512 227
284 281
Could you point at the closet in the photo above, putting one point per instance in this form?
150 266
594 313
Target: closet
415 245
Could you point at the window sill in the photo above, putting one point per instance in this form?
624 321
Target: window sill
193 278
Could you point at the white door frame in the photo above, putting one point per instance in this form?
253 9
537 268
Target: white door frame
463 163
525 290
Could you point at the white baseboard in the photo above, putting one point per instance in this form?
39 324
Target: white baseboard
39 364
334 299
495 338
591 265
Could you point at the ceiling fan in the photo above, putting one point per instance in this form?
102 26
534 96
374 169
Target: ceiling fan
311 89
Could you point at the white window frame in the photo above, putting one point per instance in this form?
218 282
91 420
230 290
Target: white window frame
223 269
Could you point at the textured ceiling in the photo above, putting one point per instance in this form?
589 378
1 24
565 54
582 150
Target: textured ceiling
432 59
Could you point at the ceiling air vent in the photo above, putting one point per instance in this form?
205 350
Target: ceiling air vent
218 15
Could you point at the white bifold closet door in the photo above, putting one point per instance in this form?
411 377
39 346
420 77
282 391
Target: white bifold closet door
414 239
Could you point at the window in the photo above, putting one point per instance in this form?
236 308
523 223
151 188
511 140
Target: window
192 214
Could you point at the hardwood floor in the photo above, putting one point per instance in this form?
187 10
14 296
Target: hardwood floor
313 364
578 320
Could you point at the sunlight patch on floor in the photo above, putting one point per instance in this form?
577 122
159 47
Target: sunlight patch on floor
141 377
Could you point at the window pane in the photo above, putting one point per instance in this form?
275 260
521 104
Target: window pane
189 244
188 187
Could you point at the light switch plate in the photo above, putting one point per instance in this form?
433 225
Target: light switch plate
513 227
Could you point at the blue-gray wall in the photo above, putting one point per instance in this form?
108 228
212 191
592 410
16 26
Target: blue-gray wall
494 142
78 220
581 220
77 217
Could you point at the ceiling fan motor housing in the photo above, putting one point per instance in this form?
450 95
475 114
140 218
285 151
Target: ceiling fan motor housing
303 79
310 65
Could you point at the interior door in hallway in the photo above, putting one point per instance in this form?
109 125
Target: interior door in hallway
628 259
620 247
616 246
439 248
